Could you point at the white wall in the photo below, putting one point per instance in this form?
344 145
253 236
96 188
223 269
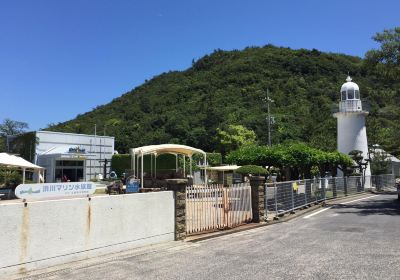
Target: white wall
97 148
46 233
352 134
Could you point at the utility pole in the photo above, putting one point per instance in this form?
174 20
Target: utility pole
95 144
268 100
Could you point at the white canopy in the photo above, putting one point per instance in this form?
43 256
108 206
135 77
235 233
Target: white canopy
17 162
11 161
163 149
166 149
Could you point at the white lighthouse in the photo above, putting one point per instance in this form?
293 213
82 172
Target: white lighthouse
351 131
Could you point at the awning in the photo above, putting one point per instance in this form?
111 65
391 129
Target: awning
166 149
12 161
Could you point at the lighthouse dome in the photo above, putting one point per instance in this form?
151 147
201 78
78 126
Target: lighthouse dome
350 90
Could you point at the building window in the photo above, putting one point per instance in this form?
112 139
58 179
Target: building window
357 94
343 95
350 94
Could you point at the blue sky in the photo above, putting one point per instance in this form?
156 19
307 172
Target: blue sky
61 58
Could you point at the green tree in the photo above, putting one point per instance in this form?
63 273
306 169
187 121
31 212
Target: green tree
380 163
293 160
11 127
387 58
234 137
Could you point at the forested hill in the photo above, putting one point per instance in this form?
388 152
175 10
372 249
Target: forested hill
227 87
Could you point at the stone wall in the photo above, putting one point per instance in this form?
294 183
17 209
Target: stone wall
178 186
258 198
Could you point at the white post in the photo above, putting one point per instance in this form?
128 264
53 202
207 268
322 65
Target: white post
176 162
151 165
137 166
184 166
23 175
38 177
191 170
205 169
133 167
155 166
141 181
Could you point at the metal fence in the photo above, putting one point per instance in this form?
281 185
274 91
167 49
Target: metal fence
217 207
285 197
383 182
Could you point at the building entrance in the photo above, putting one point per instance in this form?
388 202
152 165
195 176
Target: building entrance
69 171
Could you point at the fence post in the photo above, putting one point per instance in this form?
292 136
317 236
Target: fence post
257 198
276 200
315 193
305 191
334 187
266 201
292 192
178 186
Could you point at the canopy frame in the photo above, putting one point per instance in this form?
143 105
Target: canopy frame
155 150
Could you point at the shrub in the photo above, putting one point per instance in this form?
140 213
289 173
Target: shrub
10 177
252 170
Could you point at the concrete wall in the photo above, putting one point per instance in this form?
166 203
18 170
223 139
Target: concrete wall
46 233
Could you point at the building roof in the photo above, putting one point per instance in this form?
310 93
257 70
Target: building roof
166 149
13 161
349 85
392 158
72 134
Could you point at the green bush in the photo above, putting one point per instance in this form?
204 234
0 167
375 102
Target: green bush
252 170
120 163
10 177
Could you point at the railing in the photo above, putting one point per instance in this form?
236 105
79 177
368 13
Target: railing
286 197
351 106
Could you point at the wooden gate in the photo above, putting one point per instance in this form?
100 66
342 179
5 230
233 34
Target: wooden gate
217 207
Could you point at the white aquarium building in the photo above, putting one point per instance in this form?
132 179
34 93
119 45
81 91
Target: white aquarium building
351 130
73 157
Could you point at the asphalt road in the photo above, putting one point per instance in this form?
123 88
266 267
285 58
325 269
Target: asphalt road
357 240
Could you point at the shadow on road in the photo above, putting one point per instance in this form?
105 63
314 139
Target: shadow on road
384 206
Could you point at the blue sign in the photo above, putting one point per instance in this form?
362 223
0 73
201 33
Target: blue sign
132 185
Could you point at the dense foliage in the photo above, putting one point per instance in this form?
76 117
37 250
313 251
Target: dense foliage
292 160
227 89
10 177
251 170
16 129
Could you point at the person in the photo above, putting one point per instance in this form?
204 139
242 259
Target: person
65 178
